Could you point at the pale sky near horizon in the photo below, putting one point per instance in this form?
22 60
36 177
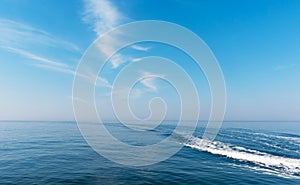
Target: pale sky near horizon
256 43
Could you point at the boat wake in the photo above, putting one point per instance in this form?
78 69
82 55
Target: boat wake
261 161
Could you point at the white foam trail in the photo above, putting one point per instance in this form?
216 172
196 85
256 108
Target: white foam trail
289 138
277 164
278 147
265 139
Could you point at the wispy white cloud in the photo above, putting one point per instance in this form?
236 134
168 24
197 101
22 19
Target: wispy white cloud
42 62
149 83
27 41
66 70
20 35
117 60
140 48
102 15
35 57
101 82
89 77
148 86
149 80
92 77
136 59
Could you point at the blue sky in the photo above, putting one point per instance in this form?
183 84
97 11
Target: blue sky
255 42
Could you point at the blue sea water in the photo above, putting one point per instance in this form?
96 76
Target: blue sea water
242 153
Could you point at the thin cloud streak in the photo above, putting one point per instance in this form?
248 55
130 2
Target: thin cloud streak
55 68
117 60
17 34
136 59
140 48
26 41
49 64
149 83
149 80
100 82
35 57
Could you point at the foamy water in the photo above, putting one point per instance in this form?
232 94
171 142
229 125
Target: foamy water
278 165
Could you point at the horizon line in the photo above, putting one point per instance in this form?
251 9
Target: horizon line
152 120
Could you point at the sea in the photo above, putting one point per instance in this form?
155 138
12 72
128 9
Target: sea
244 152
